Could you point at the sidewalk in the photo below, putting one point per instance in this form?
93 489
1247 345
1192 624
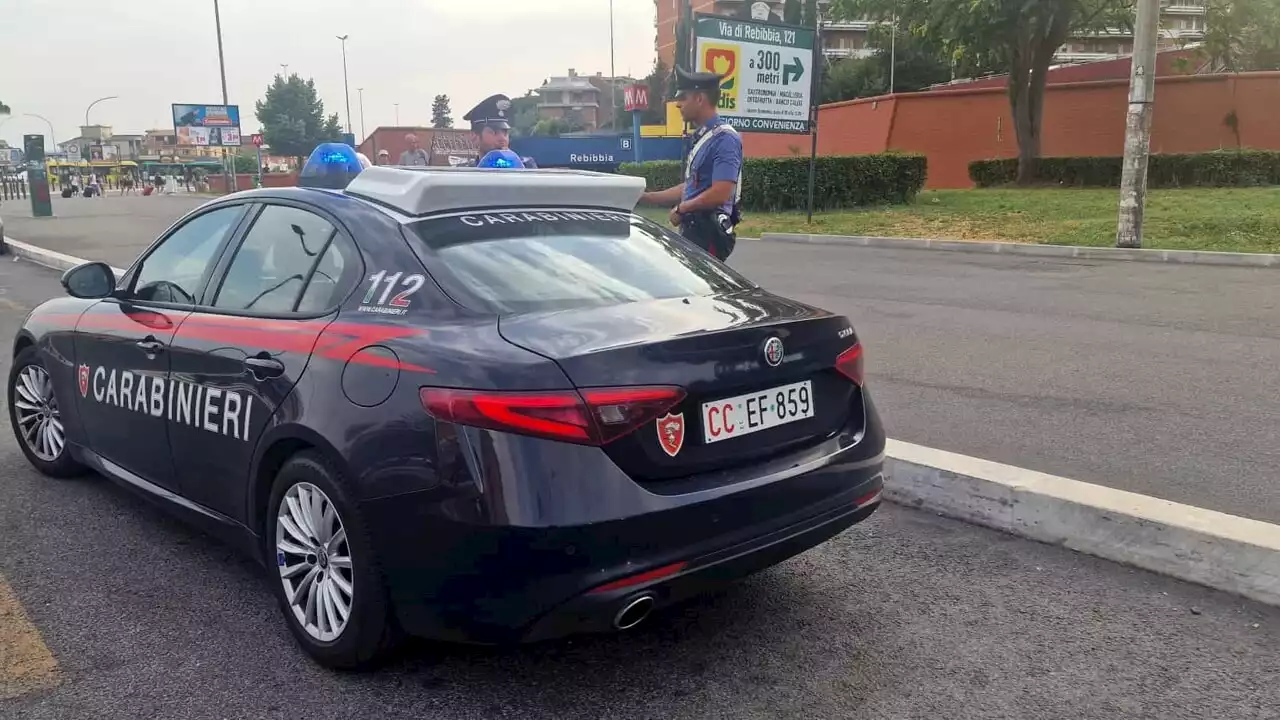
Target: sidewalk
113 229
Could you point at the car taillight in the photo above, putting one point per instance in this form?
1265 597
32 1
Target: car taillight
849 364
591 416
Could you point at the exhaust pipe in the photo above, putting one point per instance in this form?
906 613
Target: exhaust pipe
633 612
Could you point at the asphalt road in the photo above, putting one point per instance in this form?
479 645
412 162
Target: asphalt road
905 616
1154 378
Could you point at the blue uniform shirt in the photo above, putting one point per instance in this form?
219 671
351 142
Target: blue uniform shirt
720 158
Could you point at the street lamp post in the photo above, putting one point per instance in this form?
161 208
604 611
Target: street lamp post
53 140
613 76
285 67
222 71
95 102
397 114
346 91
360 91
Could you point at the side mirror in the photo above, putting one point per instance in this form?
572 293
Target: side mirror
91 281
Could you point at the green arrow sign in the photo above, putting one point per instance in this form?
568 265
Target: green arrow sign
796 68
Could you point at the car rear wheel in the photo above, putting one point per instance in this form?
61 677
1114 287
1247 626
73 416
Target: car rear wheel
327 581
37 419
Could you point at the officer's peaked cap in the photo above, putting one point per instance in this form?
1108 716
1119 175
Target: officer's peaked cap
697 81
494 111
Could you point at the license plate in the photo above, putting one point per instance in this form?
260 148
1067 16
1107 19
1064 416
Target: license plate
745 414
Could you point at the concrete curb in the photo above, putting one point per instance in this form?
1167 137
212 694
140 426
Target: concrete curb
1181 257
47 258
1221 551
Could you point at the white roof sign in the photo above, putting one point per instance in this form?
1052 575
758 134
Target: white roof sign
423 191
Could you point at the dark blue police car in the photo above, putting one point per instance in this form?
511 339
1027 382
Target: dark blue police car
473 405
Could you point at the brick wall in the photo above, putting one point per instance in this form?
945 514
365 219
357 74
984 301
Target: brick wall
954 127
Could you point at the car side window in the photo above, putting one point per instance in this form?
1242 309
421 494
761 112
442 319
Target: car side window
173 271
334 278
275 259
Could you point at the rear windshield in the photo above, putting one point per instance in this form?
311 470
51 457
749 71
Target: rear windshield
534 260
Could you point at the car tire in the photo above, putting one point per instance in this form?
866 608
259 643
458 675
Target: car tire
368 634
59 464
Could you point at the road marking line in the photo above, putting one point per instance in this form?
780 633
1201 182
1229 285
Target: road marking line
26 665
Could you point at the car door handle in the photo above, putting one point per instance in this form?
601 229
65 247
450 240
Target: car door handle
264 367
150 345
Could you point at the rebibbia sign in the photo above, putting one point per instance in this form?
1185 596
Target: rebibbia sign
637 97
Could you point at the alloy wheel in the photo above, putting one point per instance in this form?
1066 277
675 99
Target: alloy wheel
36 412
314 560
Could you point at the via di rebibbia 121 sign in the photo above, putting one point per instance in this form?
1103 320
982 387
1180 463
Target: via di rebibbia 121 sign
767 68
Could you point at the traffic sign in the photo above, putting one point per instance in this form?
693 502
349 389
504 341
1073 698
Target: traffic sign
256 139
767 70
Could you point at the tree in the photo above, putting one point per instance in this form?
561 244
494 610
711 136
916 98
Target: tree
919 65
1242 35
810 16
293 119
524 114
792 12
1019 37
441 115
658 80
554 127
4 109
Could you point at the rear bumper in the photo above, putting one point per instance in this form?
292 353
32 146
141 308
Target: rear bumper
465 583
597 610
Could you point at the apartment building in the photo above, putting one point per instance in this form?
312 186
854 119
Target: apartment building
1182 22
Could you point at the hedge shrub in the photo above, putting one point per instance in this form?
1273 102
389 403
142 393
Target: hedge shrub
776 184
1224 168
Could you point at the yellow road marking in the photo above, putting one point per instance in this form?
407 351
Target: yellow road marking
7 303
26 665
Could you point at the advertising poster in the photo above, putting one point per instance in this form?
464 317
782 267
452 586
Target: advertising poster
207 125
767 69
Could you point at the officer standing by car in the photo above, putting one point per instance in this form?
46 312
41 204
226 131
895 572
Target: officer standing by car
707 202
491 128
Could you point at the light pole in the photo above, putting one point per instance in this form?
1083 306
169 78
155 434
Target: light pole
893 48
397 114
95 102
53 140
613 76
360 91
222 71
346 91
1137 127
285 68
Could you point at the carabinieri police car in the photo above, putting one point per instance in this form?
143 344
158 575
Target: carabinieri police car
476 405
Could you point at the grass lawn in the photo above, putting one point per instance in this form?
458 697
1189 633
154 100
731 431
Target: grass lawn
1227 219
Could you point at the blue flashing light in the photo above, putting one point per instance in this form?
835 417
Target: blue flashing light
501 159
330 165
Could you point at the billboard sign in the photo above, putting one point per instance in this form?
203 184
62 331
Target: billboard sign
207 125
767 71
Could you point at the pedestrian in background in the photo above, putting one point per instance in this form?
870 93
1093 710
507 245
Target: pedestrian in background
415 155
706 209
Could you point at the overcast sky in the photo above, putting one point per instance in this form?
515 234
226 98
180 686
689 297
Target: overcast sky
60 55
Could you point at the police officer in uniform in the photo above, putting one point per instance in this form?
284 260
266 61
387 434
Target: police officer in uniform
491 128
706 203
